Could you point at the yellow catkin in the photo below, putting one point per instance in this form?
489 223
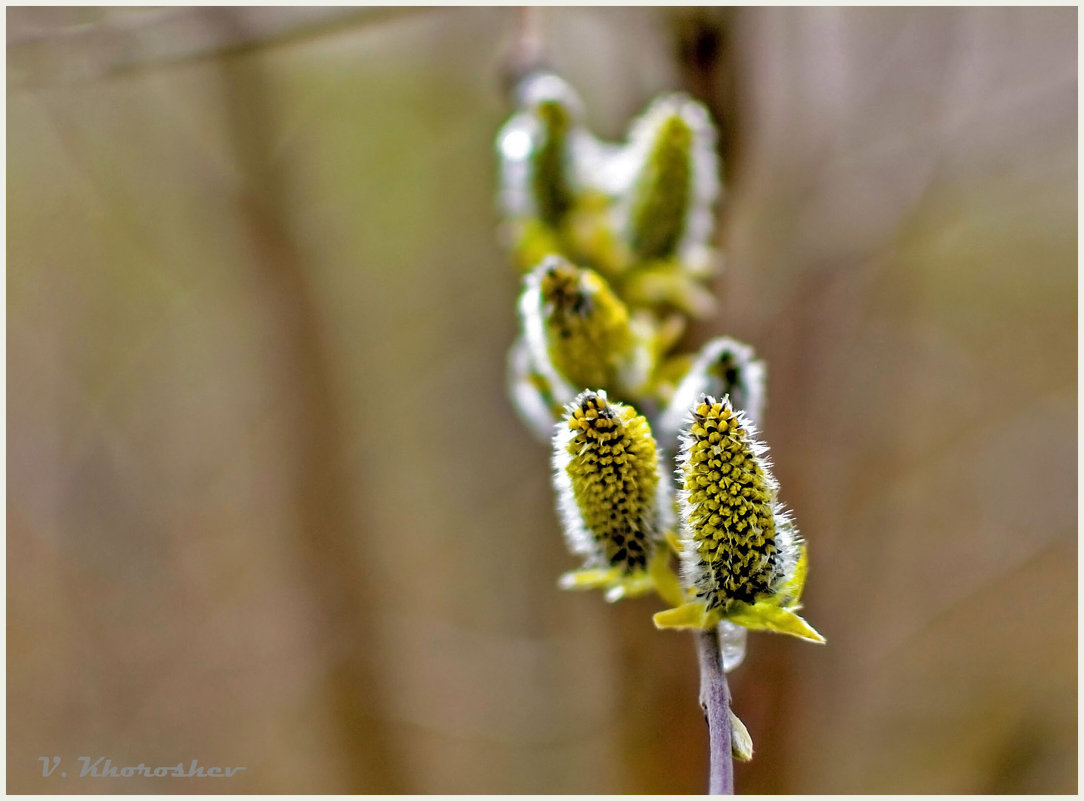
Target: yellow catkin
586 327
606 472
729 510
663 199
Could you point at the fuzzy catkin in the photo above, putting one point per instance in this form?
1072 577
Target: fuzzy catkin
738 543
606 473
575 323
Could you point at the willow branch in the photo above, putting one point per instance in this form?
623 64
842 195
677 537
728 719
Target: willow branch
715 701
525 52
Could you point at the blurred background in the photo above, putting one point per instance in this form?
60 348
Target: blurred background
268 505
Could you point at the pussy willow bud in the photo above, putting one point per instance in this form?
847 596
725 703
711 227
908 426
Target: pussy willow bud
538 150
606 474
669 212
742 556
724 367
577 330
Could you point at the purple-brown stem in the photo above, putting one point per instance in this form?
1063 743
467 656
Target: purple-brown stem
715 701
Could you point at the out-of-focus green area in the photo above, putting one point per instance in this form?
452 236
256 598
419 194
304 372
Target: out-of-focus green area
268 504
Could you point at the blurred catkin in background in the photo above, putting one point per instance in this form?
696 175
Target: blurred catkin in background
269 506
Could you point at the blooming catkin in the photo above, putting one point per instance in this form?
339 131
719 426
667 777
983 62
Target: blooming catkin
677 183
574 323
539 148
724 366
606 473
659 218
738 543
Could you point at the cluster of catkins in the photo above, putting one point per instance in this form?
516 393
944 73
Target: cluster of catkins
614 243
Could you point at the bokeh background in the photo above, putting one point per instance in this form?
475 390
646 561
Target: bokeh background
267 502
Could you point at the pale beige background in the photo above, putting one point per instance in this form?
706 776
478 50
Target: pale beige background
267 502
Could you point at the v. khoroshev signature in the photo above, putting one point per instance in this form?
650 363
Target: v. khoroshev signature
103 767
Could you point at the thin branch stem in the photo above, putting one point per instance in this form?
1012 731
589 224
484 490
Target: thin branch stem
526 52
715 701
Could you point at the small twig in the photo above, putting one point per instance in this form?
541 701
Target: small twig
525 52
715 701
